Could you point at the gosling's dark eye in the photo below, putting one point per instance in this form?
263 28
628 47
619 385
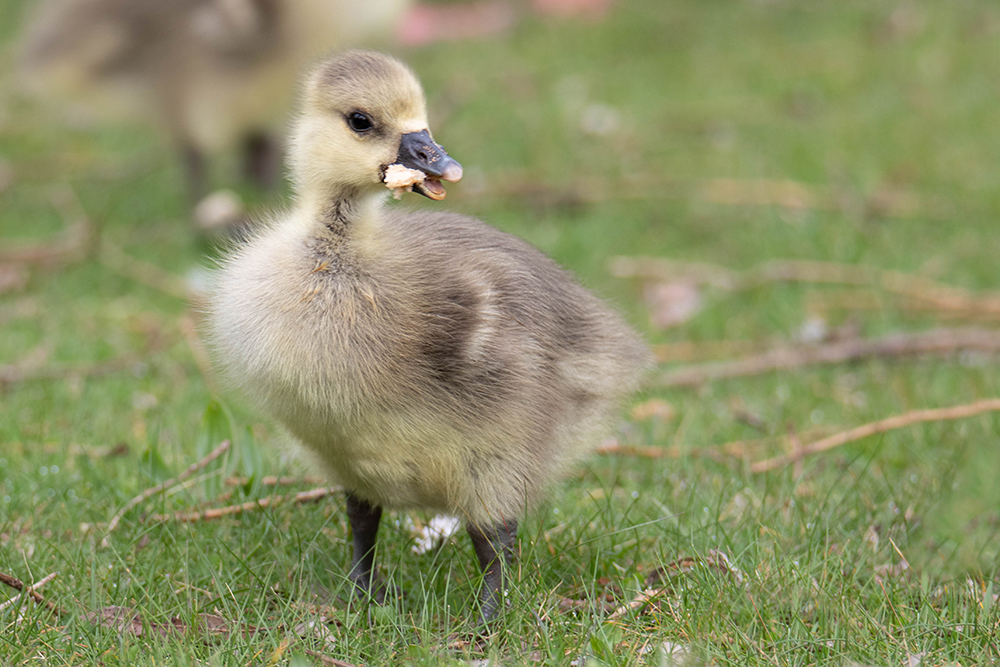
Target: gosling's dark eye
359 122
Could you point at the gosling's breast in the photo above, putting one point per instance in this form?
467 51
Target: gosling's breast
296 331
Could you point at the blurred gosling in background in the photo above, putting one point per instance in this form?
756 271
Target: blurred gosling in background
212 74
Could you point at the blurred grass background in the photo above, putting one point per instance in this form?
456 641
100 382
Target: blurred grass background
590 139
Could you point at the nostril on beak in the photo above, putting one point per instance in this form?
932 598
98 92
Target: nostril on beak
418 151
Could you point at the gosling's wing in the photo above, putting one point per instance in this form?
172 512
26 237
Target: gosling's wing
493 294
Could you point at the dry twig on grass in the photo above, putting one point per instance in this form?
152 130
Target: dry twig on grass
802 271
913 293
30 589
795 195
649 452
935 341
973 309
888 424
917 292
17 584
787 194
152 491
740 449
219 512
274 481
715 559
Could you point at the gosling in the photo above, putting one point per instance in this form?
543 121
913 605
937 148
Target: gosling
211 74
429 361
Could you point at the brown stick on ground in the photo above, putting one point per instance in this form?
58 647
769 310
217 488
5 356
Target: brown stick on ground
30 589
740 449
693 351
786 194
17 584
152 491
889 424
271 480
648 452
219 512
715 559
977 309
935 341
919 288
639 601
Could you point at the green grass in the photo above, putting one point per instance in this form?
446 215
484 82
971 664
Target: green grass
860 96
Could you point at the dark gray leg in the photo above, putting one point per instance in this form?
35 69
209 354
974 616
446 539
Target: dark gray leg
195 173
364 519
263 160
495 550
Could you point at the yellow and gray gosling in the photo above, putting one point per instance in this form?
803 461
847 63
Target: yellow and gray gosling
429 360
210 73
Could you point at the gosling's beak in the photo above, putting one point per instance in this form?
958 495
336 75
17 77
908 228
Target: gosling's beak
418 151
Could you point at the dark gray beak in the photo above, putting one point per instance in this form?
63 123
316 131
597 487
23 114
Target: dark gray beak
418 151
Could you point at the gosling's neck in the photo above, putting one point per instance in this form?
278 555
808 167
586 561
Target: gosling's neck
341 212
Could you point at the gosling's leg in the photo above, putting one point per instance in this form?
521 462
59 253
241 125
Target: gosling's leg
263 160
195 173
495 550
364 519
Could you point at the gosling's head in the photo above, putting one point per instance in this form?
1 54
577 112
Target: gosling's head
361 112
